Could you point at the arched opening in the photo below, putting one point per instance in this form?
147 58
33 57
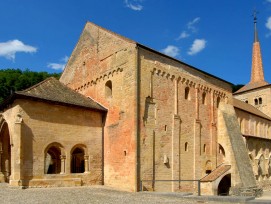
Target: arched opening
186 147
53 161
217 102
108 89
221 150
256 101
77 160
204 148
204 98
5 152
208 167
186 93
260 100
224 185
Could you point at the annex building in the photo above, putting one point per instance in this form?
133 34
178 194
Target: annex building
125 115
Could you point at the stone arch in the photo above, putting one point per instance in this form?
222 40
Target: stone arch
5 151
54 158
218 102
187 93
204 98
260 164
79 159
108 89
224 185
208 167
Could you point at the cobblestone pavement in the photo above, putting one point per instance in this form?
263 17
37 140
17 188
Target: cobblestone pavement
93 195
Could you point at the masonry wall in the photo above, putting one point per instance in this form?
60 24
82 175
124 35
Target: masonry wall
263 94
45 125
178 138
103 67
259 150
253 125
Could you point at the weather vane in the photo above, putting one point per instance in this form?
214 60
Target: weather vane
255 12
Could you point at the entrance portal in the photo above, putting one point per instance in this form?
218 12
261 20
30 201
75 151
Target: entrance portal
5 153
224 185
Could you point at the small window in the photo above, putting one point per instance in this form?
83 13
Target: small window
260 101
108 89
165 127
204 148
186 147
217 102
186 94
256 101
221 150
204 98
246 101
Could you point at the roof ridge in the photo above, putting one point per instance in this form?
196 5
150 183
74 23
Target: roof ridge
36 85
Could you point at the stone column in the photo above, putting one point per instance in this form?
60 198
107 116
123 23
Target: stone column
17 163
86 158
2 177
62 158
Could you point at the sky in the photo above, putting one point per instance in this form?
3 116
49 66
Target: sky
211 35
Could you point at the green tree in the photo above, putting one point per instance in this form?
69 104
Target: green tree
12 80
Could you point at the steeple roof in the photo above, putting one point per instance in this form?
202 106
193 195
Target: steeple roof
257 73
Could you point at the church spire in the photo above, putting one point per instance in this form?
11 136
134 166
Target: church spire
257 75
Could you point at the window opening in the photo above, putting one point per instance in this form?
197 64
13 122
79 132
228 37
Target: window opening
78 163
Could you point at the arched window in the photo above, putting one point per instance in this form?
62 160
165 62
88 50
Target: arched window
204 98
221 150
217 102
256 101
108 89
186 93
204 148
52 160
260 101
186 147
77 161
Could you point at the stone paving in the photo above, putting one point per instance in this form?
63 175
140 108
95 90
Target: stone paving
103 194
93 195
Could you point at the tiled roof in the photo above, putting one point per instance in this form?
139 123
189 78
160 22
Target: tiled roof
251 86
216 173
52 90
249 108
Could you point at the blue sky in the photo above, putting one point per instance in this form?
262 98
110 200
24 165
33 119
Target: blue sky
214 36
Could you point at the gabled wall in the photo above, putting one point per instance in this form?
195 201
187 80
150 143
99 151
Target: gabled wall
100 58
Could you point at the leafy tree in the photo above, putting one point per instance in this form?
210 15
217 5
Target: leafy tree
12 80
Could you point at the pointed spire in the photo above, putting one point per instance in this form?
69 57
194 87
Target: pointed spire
257 74
255 26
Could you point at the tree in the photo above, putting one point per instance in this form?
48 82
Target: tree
12 80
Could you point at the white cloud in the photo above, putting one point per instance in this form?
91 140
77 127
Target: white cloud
134 4
183 35
59 66
197 46
268 26
191 24
171 50
10 48
268 23
268 1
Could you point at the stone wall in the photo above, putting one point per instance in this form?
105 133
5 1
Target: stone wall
261 95
103 67
178 138
37 126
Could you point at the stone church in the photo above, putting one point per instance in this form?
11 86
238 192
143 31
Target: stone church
126 116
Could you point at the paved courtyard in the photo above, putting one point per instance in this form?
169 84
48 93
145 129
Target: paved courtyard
93 195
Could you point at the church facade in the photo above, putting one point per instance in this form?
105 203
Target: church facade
135 119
